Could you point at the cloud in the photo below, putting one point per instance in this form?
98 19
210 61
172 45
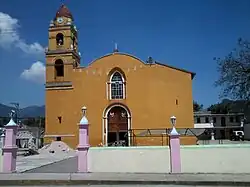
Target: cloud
9 36
36 73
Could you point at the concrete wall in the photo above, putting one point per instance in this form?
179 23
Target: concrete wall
194 159
215 159
129 159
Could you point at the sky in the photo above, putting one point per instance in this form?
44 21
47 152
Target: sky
181 33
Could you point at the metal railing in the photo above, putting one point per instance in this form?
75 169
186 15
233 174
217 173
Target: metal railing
160 136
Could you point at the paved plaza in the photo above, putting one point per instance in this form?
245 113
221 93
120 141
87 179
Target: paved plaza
68 165
36 161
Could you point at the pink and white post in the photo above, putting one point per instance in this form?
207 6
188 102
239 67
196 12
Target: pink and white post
83 145
10 147
175 150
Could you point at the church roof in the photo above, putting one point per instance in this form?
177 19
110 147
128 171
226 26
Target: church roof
179 69
162 64
64 12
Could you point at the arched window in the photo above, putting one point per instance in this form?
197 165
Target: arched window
59 68
59 39
117 86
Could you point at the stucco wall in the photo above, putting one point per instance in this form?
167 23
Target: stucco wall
129 159
215 159
153 94
194 159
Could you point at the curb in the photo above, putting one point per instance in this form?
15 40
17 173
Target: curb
121 182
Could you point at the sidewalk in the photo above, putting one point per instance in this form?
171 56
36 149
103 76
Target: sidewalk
123 178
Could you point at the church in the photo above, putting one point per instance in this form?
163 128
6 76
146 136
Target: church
124 95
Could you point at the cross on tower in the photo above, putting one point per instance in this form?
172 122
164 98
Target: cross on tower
116 48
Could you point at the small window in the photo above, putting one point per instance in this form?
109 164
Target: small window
237 119
59 68
59 39
117 86
206 120
231 119
214 119
59 119
198 120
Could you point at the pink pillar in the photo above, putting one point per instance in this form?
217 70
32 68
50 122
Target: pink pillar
175 152
83 145
10 147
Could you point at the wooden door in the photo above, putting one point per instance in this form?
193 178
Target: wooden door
117 120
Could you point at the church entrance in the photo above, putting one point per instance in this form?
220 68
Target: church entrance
117 127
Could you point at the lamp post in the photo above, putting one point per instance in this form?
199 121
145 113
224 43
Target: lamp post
173 122
175 152
17 110
212 131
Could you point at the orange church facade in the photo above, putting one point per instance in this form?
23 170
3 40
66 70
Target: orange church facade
121 92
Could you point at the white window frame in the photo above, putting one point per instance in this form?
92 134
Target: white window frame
123 82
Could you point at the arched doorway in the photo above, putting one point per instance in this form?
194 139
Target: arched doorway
117 122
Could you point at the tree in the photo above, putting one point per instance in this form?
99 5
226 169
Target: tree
197 107
229 106
224 107
234 70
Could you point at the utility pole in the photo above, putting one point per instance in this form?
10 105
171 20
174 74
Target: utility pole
17 110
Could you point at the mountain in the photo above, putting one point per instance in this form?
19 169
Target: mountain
33 111
5 110
30 111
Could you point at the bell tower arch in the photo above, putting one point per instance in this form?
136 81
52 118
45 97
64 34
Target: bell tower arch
62 54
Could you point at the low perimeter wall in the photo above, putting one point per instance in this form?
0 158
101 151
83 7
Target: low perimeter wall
194 159
129 159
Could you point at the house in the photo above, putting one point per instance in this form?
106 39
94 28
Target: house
224 124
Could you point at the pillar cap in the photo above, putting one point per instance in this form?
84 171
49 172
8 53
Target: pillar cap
174 132
11 122
84 121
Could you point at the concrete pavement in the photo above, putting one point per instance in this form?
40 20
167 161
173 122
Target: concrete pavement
36 161
124 178
126 186
68 165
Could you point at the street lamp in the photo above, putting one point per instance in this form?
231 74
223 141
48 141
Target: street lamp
84 109
17 110
173 122
84 120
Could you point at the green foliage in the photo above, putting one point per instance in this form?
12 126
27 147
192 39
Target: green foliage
197 107
229 106
34 122
30 122
234 71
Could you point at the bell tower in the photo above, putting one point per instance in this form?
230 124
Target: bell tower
62 54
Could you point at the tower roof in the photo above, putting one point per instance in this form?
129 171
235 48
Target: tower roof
64 12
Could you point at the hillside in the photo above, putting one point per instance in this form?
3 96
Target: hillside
30 111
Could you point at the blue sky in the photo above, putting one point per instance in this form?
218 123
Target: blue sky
185 34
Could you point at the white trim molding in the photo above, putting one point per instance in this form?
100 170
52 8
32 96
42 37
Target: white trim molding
109 85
